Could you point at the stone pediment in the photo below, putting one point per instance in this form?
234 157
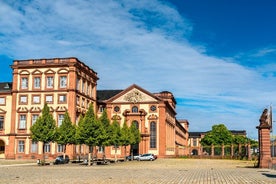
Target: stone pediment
135 96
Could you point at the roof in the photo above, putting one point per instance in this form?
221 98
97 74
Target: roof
234 132
5 86
196 134
106 94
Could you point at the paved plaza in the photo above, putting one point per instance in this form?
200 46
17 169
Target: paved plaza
159 171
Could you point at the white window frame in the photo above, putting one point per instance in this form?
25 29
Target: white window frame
49 82
47 147
60 119
49 98
37 82
24 83
60 148
23 99
22 121
21 146
2 100
34 118
34 147
62 98
36 99
63 81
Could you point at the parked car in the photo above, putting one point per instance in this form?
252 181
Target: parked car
61 160
147 156
135 157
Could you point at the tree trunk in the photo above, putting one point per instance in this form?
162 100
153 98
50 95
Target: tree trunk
125 154
64 152
89 156
115 153
43 154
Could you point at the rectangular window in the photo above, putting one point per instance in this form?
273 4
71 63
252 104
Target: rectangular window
60 119
34 147
24 83
47 147
34 118
63 82
37 82
78 84
82 102
23 99
87 89
2 100
59 148
83 86
101 149
22 122
49 99
194 142
21 146
1 122
50 82
78 100
62 98
36 99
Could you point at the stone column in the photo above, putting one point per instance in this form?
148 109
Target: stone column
264 147
264 128
248 151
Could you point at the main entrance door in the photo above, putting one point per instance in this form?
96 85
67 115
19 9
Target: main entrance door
2 149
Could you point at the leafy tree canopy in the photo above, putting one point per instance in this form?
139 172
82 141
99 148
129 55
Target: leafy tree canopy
44 129
217 136
135 134
116 133
66 132
90 129
125 135
106 134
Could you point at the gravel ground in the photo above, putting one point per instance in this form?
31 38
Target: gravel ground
159 171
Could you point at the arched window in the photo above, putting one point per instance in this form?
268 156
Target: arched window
153 135
136 124
135 109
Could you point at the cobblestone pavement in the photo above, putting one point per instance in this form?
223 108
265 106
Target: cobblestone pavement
160 171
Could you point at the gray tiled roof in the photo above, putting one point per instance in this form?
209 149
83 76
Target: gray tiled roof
106 94
5 86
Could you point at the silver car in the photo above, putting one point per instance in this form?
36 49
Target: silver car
147 156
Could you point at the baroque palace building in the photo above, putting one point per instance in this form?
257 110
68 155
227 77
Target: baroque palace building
67 84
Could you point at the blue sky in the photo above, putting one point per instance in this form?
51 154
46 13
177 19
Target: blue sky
216 56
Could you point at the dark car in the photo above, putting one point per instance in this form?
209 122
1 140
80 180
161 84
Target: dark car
61 160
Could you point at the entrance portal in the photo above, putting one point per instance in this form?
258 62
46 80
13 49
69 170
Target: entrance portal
2 149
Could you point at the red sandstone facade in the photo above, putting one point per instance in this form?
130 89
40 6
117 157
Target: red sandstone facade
67 84
154 115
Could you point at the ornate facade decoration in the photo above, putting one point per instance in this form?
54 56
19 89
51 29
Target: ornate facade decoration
134 96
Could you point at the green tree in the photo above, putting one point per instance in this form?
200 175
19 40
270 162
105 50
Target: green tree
106 133
135 136
44 130
219 135
115 136
66 133
238 139
78 138
125 137
90 131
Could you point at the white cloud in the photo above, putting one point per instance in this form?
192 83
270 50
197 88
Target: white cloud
142 42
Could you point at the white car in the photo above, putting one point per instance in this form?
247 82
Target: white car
147 156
